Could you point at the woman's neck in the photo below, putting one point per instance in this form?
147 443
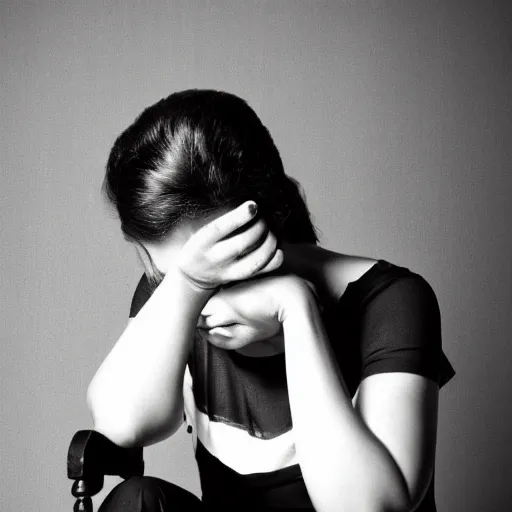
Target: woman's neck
323 268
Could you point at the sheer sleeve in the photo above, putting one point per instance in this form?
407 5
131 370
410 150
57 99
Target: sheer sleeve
401 331
141 295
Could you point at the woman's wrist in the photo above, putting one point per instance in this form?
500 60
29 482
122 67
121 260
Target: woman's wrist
294 295
176 278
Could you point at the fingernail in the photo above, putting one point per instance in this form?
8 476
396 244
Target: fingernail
253 208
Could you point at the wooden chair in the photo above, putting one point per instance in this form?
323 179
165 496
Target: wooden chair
91 456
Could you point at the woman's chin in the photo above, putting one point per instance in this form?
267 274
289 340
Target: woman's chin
227 343
245 339
248 347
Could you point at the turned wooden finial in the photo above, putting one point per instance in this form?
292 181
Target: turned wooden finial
91 456
83 505
82 490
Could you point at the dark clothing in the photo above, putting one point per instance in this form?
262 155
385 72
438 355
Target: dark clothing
150 494
386 321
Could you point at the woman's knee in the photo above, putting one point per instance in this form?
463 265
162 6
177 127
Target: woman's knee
149 494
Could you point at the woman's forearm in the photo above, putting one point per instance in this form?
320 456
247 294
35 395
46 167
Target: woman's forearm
345 467
136 396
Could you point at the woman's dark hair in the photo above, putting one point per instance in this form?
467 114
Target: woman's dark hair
192 153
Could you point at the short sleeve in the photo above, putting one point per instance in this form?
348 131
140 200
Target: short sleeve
401 331
141 295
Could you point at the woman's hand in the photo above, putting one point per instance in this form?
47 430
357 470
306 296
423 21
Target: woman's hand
229 248
250 311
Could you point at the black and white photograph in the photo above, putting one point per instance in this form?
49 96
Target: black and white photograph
256 255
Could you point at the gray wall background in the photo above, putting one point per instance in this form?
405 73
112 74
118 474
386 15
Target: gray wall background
396 118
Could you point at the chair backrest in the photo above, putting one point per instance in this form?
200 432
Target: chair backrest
91 456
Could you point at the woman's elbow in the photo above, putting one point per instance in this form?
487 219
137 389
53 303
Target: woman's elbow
127 432
110 422
121 435
129 428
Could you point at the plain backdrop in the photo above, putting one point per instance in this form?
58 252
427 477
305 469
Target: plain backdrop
395 117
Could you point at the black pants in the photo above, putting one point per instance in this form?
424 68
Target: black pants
150 494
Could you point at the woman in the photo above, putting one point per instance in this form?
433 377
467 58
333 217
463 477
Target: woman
309 379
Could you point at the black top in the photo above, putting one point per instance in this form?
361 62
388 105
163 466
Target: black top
386 321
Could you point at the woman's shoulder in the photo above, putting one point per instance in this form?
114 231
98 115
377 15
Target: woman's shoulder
351 268
336 271
362 276
370 275
361 280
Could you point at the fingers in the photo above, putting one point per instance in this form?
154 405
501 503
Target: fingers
242 243
274 263
265 258
229 222
233 247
